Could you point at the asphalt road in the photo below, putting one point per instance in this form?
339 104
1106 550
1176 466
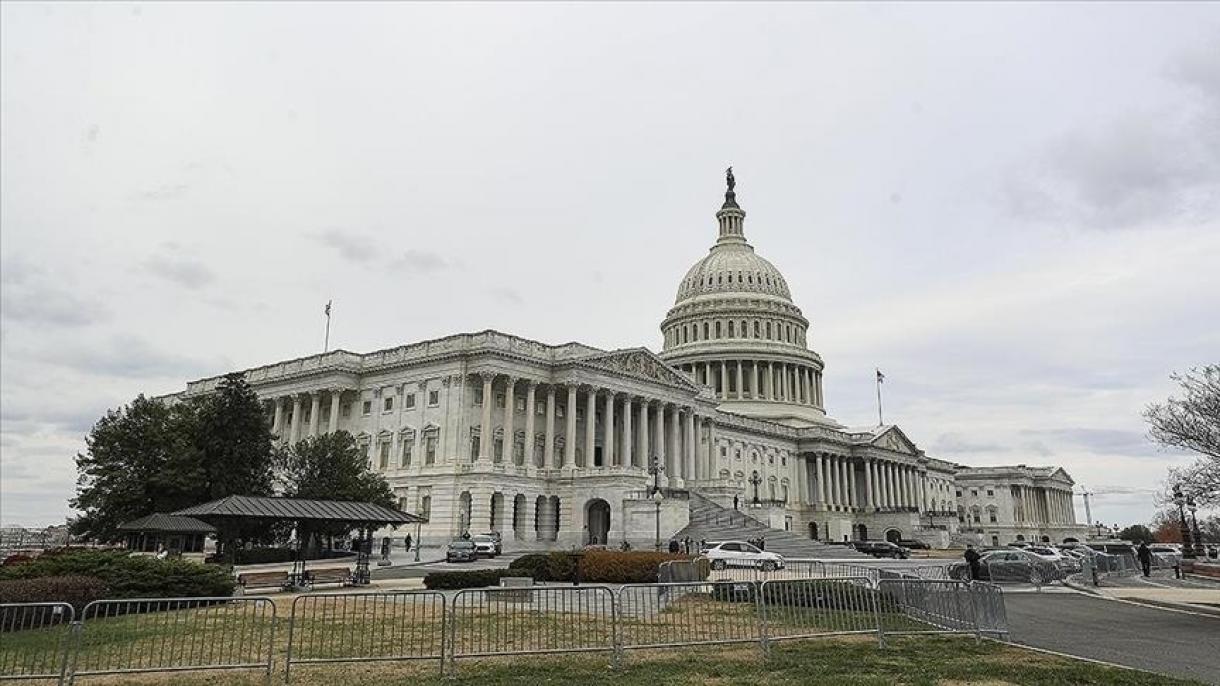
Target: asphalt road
1177 643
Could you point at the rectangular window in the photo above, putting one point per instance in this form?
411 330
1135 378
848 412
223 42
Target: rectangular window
500 400
474 448
384 459
425 507
478 396
366 408
346 410
580 413
559 411
408 446
990 493
959 494
520 404
434 398
974 493
723 451
408 401
540 409
430 450
387 404
991 516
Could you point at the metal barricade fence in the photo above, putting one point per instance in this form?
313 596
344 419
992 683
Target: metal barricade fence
34 640
665 615
174 634
519 621
366 627
804 608
920 606
990 615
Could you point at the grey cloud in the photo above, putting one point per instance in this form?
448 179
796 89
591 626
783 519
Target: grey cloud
28 295
507 295
957 443
1100 441
350 246
122 356
183 270
164 192
1136 169
419 261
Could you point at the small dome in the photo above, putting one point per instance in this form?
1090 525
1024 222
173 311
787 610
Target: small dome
732 268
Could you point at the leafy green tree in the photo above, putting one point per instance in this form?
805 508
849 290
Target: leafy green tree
1136 533
156 456
139 459
233 441
331 467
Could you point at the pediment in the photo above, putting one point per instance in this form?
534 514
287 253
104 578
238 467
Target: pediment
640 363
893 439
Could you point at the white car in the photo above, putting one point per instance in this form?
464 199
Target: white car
484 545
742 554
1048 554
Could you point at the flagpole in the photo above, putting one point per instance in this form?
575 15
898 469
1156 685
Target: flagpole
326 343
880 421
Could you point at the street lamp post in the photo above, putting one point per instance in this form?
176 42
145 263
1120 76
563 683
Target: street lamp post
1194 525
655 468
1188 549
755 480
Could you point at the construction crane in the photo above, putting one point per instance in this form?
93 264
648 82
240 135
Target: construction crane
1085 494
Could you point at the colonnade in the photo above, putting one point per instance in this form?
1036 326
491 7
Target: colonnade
849 484
759 380
1042 505
288 419
620 429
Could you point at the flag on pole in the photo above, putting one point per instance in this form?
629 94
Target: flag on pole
327 308
880 376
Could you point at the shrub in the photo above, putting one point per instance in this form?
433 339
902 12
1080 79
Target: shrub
630 567
77 591
128 576
475 578
827 595
533 564
15 559
561 566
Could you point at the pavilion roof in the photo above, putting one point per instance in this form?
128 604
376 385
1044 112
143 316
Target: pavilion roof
299 509
168 523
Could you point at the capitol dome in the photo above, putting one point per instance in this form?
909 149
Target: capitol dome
735 329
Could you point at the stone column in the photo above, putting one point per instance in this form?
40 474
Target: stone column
294 430
741 391
844 484
689 448
765 373
278 419
645 453
659 449
836 480
887 492
315 409
811 398
569 441
868 485
713 454
819 491
590 426
335 395
802 485
510 438
724 380
548 448
608 431
674 449
527 454
486 438
628 434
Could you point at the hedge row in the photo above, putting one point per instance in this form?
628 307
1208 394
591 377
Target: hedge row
475 578
826 595
595 566
128 576
77 591
258 556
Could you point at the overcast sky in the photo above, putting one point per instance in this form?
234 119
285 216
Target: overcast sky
1010 209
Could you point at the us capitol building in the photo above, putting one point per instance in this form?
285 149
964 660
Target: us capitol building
561 445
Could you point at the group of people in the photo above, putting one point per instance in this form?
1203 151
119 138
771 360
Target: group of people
686 545
760 543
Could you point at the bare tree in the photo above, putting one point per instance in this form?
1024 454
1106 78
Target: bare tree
1192 422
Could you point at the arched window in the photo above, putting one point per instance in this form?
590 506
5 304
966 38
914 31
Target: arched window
717 328
756 329
705 331
730 328
768 331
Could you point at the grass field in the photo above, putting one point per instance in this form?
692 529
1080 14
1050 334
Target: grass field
373 626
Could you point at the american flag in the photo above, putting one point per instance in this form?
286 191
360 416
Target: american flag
327 308
880 377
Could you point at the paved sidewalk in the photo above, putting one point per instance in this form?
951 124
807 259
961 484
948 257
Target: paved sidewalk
1178 643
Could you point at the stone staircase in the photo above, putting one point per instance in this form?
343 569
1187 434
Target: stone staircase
712 522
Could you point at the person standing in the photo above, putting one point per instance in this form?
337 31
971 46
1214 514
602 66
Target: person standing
1144 553
408 542
972 558
736 501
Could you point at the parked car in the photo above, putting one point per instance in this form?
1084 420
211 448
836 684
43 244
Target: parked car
1009 565
742 554
882 549
484 545
1062 560
460 550
1018 544
914 545
495 536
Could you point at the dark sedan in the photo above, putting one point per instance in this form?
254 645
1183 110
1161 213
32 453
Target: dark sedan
461 551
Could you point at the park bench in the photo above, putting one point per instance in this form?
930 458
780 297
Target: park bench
518 584
263 580
328 575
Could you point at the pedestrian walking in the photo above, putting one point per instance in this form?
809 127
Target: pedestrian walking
673 545
408 542
736 501
972 558
1144 553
